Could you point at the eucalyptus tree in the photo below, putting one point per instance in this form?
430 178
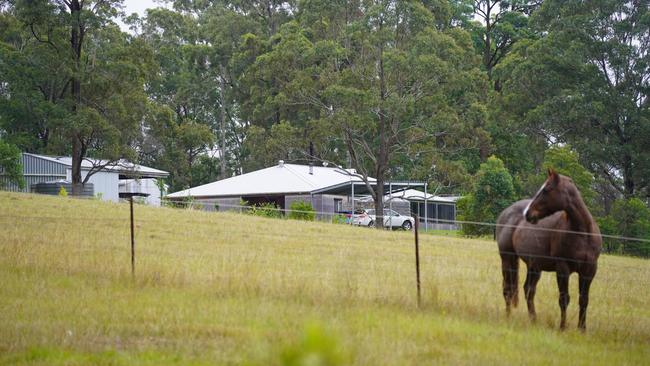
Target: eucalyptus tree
69 62
586 82
383 79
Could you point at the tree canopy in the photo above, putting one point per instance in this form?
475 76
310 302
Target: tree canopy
409 90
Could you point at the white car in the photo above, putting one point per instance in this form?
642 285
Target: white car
392 219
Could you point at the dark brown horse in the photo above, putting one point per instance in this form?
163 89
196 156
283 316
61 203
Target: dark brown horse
552 232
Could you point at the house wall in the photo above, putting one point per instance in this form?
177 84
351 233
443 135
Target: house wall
219 204
145 185
289 199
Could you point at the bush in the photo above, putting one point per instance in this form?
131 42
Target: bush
267 209
493 191
629 218
301 210
339 219
316 348
10 164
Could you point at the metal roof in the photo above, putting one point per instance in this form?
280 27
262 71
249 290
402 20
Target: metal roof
279 179
417 195
122 166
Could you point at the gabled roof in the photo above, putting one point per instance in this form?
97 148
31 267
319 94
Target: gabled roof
415 195
279 179
122 166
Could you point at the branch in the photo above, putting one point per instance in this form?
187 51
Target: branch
46 41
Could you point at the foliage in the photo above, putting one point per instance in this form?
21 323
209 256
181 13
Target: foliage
10 164
301 210
404 90
565 160
339 219
629 218
493 191
73 83
266 209
315 348
589 76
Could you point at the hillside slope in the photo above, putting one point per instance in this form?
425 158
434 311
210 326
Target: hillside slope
218 288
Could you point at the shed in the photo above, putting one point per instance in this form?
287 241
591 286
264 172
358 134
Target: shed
106 182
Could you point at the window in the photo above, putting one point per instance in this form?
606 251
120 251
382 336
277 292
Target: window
338 205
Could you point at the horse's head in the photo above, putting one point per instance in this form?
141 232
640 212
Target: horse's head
551 197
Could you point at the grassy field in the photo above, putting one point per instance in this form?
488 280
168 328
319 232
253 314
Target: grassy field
219 288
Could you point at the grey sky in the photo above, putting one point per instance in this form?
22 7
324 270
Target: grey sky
136 6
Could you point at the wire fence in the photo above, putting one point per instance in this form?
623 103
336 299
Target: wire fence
457 260
611 243
462 246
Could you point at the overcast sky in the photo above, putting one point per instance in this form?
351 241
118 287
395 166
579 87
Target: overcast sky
136 6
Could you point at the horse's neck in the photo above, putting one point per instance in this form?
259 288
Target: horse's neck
578 213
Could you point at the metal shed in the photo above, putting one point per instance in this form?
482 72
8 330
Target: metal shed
45 169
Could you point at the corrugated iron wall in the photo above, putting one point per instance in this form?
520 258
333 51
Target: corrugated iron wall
35 170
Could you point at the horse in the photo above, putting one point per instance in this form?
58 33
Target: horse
554 232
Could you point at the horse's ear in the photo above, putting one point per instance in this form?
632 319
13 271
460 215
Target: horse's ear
553 178
551 172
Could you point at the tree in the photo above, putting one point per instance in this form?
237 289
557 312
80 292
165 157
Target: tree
493 192
566 161
629 218
586 83
10 166
379 78
82 75
500 25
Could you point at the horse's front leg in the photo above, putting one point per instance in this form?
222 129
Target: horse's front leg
585 283
563 285
530 286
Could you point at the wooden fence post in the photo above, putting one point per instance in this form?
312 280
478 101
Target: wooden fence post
417 258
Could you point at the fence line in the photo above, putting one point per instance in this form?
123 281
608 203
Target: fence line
431 220
396 237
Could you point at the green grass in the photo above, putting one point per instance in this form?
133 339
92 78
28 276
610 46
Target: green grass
219 288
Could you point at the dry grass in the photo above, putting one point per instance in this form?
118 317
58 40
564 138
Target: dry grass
218 288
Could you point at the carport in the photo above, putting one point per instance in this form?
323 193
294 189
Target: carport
355 188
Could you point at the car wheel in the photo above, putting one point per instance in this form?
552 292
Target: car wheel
407 225
371 224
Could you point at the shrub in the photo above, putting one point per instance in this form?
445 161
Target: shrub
266 209
339 219
493 191
629 218
10 164
316 348
301 210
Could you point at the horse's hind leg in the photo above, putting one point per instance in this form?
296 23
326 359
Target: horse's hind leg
563 285
510 270
530 286
585 283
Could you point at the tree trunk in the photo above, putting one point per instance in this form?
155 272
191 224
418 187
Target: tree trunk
222 125
76 39
379 203
628 181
